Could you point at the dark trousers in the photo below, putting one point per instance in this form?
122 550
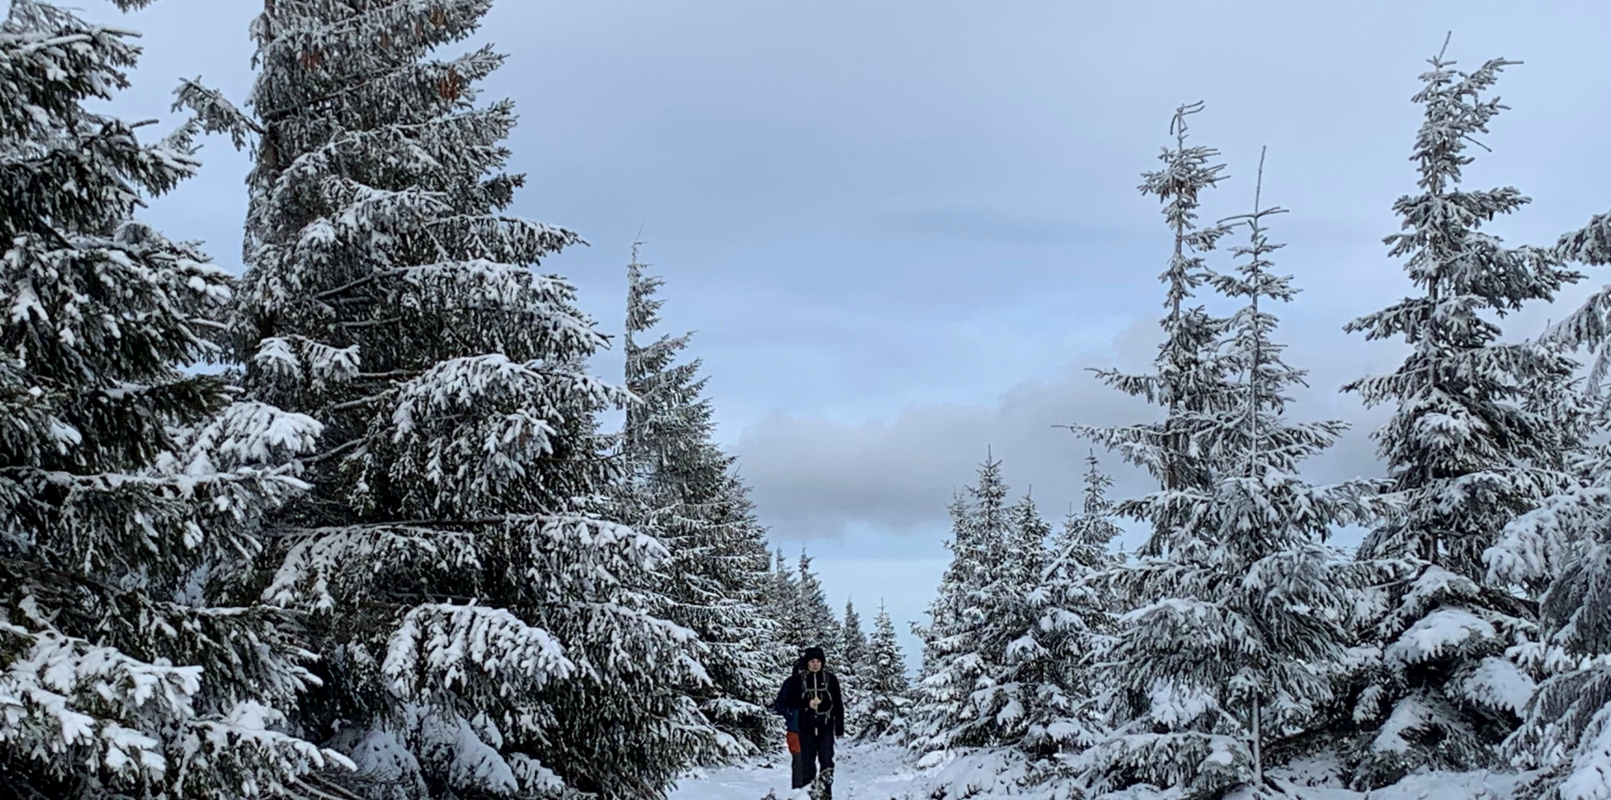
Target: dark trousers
816 752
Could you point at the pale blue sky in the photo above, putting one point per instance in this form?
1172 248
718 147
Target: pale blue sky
904 229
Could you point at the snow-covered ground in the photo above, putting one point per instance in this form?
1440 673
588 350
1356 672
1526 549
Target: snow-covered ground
883 772
862 772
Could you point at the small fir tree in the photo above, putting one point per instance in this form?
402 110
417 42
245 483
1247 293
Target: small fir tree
1075 619
853 647
784 602
883 714
941 644
820 629
1028 698
853 665
957 705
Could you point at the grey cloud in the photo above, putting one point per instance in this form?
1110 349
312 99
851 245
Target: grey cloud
820 477
816 476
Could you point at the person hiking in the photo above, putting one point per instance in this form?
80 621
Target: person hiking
815 695
791 728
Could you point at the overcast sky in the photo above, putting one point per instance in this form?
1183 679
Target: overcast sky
905 230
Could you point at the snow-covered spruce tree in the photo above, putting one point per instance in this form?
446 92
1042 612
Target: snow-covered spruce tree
853 641
1031 643
1074 619
852 664
124 476
941 647
820 629
1241 630
1561 553
783 596
958 702
483 630
1188 378
1468 448
680 487
1011 678
887 693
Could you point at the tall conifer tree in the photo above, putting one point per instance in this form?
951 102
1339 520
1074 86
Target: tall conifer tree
681 488
1467 447
130 485
484 631
1189 382
1237 635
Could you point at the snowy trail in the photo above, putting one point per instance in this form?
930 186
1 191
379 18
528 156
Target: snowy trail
881 772
862 772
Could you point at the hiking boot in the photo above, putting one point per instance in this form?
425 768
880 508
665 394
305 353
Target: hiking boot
822 786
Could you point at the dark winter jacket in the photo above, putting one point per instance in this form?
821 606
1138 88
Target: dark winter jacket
791 716
798 690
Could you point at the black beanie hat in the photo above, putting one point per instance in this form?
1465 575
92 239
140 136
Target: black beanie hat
816 653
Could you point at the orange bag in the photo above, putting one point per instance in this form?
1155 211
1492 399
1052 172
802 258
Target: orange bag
794 743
